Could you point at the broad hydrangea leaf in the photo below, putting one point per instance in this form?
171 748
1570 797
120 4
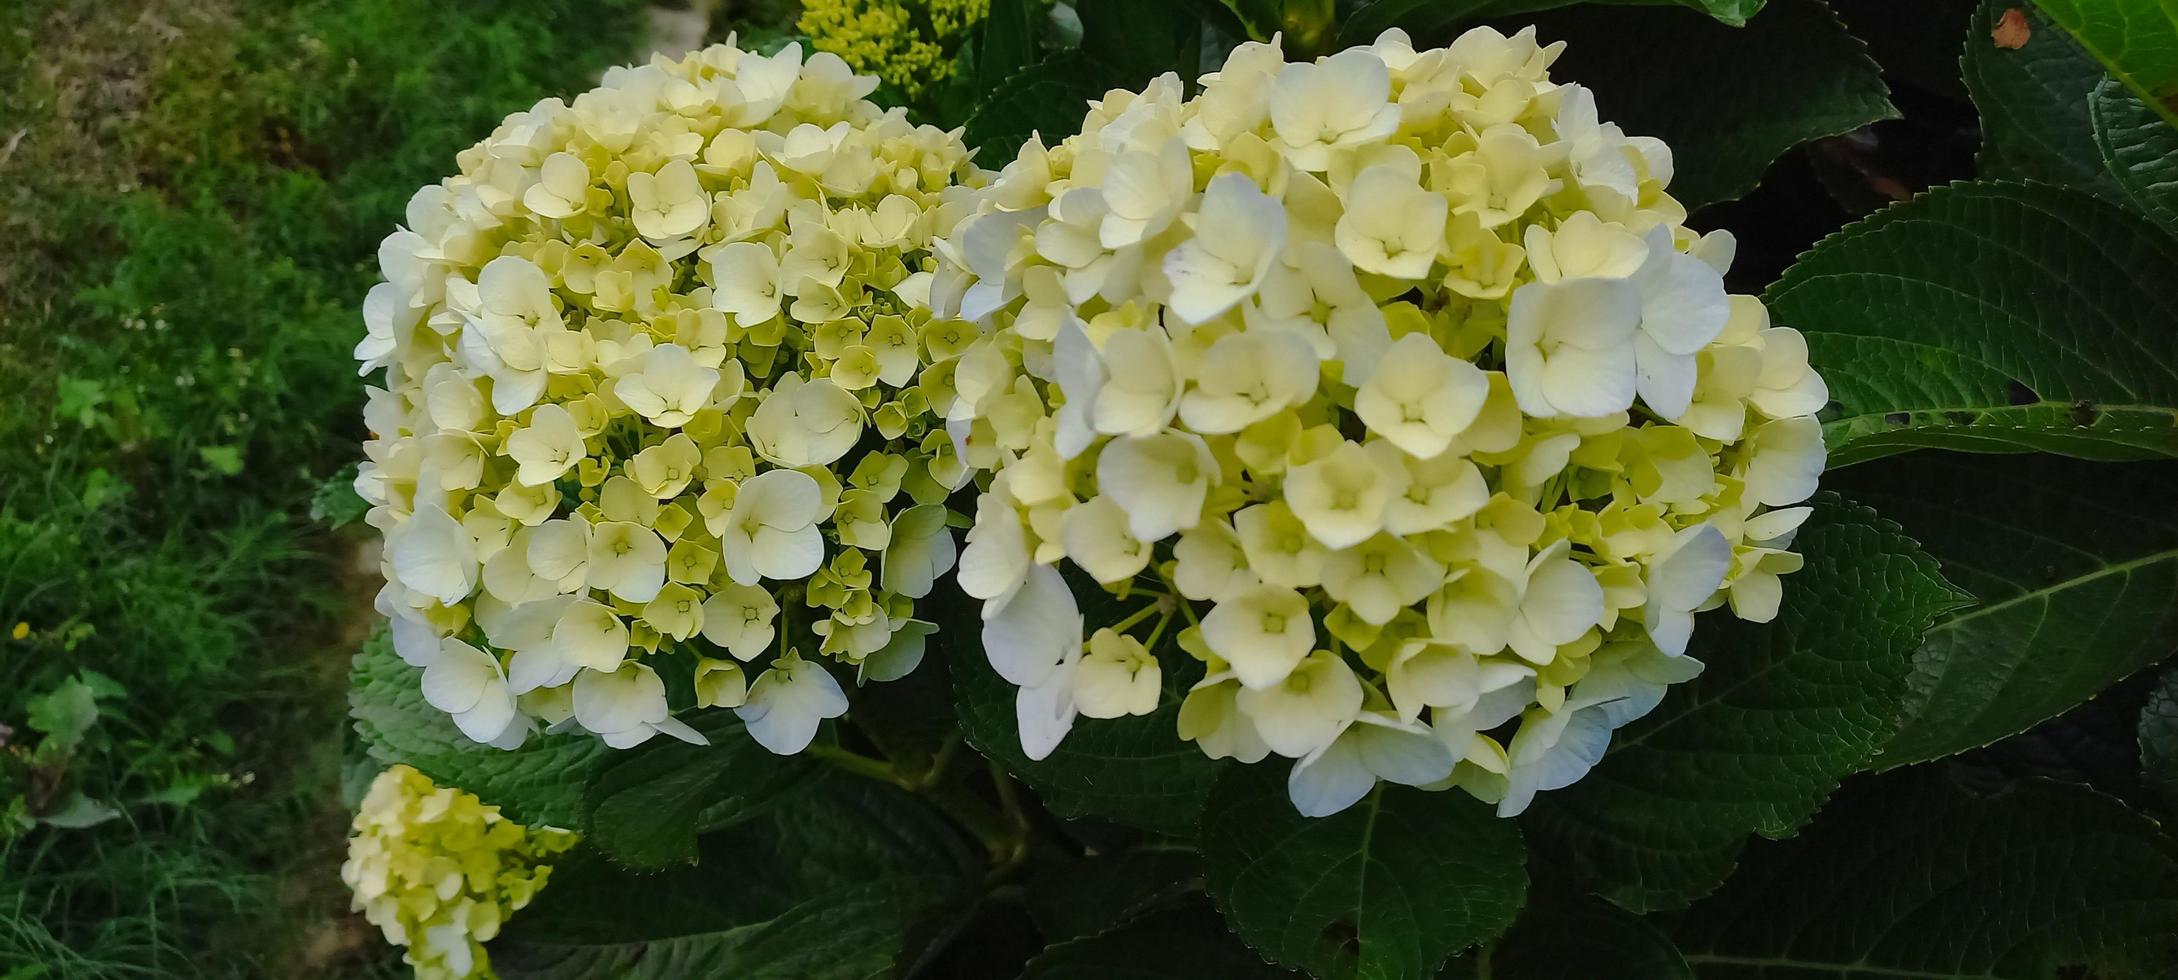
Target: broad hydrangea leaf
2136 39
539 783
1755 743
2075 569
1187 943
1906 875
2139 148
645 806
1575 937
2049 112
1816 80
1384 890
1047 98
2159 741
1089 895
1134 770
1369 18
840 883
1992 317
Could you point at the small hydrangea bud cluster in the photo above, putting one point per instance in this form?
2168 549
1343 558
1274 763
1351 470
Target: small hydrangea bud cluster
654 387
912 45
1403 367
439 871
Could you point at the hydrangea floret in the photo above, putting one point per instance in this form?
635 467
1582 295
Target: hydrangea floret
439 872
659 390
1398 377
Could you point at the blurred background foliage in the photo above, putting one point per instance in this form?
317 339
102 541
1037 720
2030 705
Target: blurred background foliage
191 192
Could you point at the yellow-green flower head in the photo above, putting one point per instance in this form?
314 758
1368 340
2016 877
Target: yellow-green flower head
910 44
1410 361
439 872
641 357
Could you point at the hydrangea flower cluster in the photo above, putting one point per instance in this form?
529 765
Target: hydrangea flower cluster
656 404
439 872
1400 366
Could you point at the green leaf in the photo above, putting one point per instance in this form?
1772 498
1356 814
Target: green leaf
839 883
1138 40
1816 80
1752 746
2139 148
1576 937
2075 569
1008 42
1992 317
2033 102
1133 770
645 806
2050 113
1383 890
1049 98
1086 896
63 715
2136 39
539 783
2159 741
1907 875
1188 943
1426 18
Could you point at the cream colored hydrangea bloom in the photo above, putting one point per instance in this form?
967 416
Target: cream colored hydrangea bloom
663 395
1400 379
439 872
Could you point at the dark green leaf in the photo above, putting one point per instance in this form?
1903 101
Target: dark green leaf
1132 770
1753 746
1048 98
2033 101
645 806
1427 18
1009 41
1576 937
1816 80
2050 113
1383 890
837 884
539 783
2139 148
1187 943
2136 39
2159 741
1138 40
1908 876
1085 896
2075 569
1993 317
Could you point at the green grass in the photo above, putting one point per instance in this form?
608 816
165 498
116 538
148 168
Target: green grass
191 192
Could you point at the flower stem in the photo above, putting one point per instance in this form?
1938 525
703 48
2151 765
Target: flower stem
857 763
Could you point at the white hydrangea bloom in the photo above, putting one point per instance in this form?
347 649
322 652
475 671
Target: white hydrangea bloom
662 377
1409 363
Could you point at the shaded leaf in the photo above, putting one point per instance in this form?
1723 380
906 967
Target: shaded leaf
2075 569
539 783
1816 80
1992 317
646 805
2136 39
1049 98
2139 148
2159 741
837 884
1085 896
1187 943
1907 875
1753 746
1385 889
1576 937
